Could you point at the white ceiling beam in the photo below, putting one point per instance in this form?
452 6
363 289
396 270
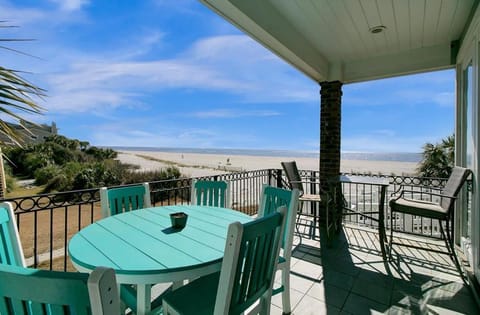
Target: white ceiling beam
409 62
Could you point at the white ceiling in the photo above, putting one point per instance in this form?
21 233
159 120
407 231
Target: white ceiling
331 39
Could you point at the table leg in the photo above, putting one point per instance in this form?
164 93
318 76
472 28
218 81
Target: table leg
144 298
381 221
123 306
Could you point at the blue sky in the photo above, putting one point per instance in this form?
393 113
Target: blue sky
163 73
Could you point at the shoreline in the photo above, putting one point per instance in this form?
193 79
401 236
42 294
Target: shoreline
205 164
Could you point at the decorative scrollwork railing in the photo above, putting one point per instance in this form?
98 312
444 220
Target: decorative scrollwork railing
47 221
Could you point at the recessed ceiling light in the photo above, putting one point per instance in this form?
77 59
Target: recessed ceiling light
377 29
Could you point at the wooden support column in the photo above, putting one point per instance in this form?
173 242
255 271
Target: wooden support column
330 134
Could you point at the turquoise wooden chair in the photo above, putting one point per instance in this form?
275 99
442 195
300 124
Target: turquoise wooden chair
26 291
11 252
271 199
246 276
210 193
118 200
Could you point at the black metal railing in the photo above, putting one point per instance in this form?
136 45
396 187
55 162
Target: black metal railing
46 222
365 198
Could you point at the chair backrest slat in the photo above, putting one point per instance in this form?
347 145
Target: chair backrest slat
32 291
124 199
210 193
251 256
293 175
11 252
455 182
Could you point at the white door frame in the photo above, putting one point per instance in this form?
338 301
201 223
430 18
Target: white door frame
469 55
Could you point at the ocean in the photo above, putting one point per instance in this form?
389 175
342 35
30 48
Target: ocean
398 156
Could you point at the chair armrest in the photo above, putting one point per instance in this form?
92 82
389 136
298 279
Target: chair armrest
304 182
424 193
402 188
424 187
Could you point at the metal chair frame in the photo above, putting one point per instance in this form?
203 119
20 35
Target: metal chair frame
442 211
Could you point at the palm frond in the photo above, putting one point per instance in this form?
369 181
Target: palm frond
18 51
16 94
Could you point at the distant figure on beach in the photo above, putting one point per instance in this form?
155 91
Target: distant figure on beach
182 156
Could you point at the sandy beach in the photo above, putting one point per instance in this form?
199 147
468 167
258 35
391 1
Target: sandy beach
198 164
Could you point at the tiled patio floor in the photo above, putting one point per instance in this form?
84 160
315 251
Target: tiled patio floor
350 277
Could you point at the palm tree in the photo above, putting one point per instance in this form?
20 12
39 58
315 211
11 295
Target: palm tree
16 95
438 159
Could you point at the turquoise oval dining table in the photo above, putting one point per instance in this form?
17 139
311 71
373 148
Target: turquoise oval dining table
143 248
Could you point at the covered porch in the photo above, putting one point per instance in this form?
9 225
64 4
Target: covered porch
333 43
352 278
341 42
349 277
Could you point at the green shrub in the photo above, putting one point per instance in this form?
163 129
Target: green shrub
101 154
61 155
105 175
95 175
58 183
71 169
45 174
10 182
34 161
131 177
63 164
85 179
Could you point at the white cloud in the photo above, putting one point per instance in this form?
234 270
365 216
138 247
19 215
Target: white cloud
71 5
163 136
406 96
41 20
21 16
416 95
384 141
444 99
82 100
227 63
144 44
434 88
225 49
228 113
182 6
115 84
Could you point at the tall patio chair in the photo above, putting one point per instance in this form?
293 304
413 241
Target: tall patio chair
118 200
11 252
26 291
271 199
295 182
246 276
123 199
210 193
442 211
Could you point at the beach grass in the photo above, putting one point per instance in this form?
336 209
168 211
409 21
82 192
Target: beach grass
171 163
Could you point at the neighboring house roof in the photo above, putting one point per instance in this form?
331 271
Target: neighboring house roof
31 133
354 40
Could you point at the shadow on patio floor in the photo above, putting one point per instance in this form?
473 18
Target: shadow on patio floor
350 277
